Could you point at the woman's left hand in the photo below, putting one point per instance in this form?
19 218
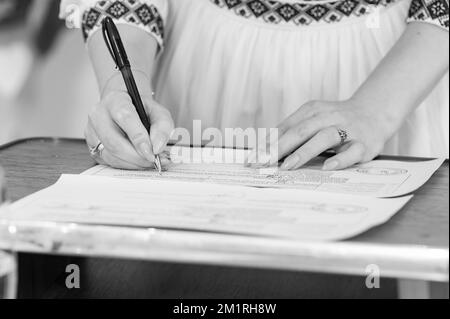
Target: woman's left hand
357 132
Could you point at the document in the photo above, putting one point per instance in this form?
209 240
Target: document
378 178
210 190
207 207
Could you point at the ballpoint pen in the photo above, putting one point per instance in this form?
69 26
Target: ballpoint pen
116 48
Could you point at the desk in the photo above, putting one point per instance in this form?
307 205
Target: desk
31 165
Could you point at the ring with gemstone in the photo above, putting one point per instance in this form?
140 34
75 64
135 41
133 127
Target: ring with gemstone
343 135
97 150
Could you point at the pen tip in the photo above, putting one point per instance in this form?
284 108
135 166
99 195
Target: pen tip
158 166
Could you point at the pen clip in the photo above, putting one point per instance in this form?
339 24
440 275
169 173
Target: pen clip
108 40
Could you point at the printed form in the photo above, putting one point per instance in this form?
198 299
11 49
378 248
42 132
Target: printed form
307 204
378 178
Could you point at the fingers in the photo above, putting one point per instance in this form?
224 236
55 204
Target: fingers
304 131
123 155
127 143
92 141
162 127
305 112
353 155
90 136
125 116
293 138
322 141
113 161
106 157
291 133
342 148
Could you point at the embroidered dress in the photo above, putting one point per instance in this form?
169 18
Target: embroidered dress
251 63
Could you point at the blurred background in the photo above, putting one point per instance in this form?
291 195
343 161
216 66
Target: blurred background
47 86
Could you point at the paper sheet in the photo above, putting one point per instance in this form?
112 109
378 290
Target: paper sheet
288 213
379 178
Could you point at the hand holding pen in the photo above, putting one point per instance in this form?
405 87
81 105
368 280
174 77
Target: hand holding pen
127 130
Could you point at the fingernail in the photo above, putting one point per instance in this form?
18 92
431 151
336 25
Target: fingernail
159 143
330 165
290 162
147 152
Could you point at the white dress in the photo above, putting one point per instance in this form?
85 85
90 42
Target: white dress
251 63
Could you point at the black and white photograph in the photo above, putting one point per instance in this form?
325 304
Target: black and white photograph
224 158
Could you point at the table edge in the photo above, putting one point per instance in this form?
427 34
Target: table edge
414 262
37 138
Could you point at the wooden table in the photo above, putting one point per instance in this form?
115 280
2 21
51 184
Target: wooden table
33 164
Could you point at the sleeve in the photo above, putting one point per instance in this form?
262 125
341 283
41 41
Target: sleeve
429 11
87 15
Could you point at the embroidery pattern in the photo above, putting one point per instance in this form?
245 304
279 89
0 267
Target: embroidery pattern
145 16
302 13
432 11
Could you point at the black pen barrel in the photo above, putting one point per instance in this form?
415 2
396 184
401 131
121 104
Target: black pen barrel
133 91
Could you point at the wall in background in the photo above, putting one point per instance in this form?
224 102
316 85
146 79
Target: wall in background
48 83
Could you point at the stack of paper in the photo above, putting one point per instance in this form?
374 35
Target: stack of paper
307 204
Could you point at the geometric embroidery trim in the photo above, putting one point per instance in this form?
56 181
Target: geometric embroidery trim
135 12
301 13
431 11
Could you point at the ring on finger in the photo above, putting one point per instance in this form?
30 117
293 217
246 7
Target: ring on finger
97 150
343 134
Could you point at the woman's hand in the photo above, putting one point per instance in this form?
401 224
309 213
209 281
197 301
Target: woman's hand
357 132
115 123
